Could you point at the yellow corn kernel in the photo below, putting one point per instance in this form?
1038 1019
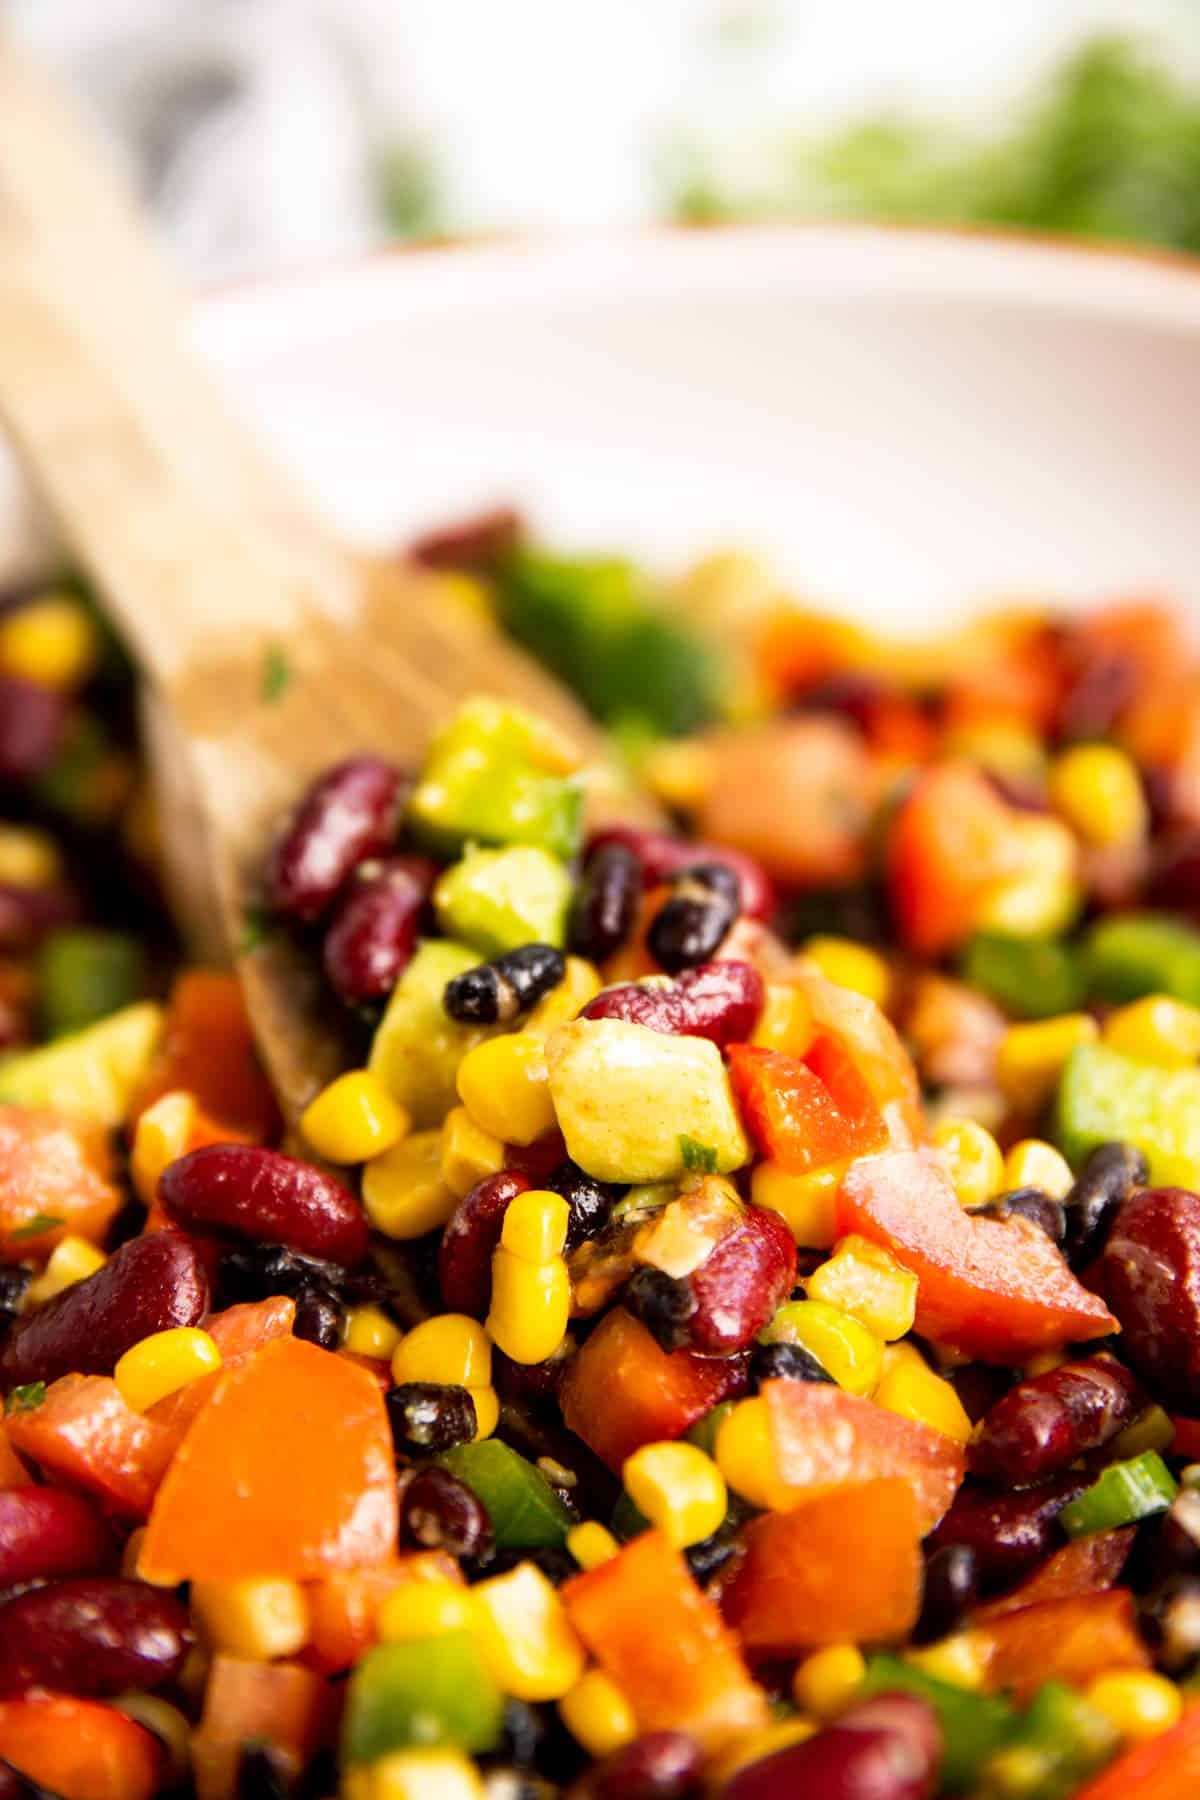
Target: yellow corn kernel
163 1362
426 1609
678 1488
535 1225
525 1635
531 1306
72 1259
1020 1770
193 1677
487 1411
162 1134
580 983
866 1281
131 1553
169 1726
28 858
262 1617
1035 1163
851 965
52 641
354 1119
826 1682
755 1745
960 1659
745 1454
467 592
417 1775
1097 789
1030 1058
468 1154
1156 1029
591 1544
786 1020
368 1331
1137 1703
1003 749
679 771
403 1192
449 1348
908 1386
1045 896
597 1714
843 1346
1043 1361
504 1086
807 1202
972 1158
1151 1430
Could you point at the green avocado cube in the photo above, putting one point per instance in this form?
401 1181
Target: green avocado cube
417 1046
491 777
498 900
1105 1095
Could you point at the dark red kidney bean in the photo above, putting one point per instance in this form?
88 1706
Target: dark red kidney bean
1152 1284
720 1001
264 1195
1174 878
27 914
538 1160
149 1284
1100 685
1109 1175
1008 1532
736 1290
886 1749
663 1765
32 722
51 1531
471 1236
98 1634
1043 1424
440 1512
693 924
475 543
606 902
951 1588
523 1382
662 857
374 930
349 813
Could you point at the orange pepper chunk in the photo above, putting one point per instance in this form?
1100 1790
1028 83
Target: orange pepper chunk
343 1607
208 1050
80 1749
794 1118
288 1470
237 1332
1166 1768
664 1644
276 1704
13 1472
1063 1640
84 1435
844 1568
54 1170
1085 1566
949 847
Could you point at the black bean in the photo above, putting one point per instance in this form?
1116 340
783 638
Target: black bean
556 1565
521 1734
714 1551
785 1362
440 1512
1107 1177
318 1318
256 1271
590 1201
1170 1619
503 1782
664 1305
428 1416
13 1283
606 903
951 1588
261 1775
497 992
689 929
1029 1203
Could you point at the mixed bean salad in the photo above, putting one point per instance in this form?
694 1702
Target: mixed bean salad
736 1329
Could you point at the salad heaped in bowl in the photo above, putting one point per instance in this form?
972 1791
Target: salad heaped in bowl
736 1327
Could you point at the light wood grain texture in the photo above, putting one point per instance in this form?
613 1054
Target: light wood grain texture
207 561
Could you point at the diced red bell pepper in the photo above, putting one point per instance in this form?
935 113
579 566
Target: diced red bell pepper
997 1289
843 1568
1087 1565
208 1050
873 1045
949 848
237 1332
1062 1640
793 1117
79 1749
621 1390
84 1435
55 1170
1166 1768
664 1644
826 1440
343 1607
277 1704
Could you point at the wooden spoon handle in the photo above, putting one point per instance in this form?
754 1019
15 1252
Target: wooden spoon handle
192 537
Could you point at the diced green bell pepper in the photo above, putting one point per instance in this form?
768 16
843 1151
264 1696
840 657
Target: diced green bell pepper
417 1046
525 1511
628 1521
83 976
1105 1095
1031 978
488 778
497 900
1131 954
974 1726
91 1074
1121 1495
704 1431
1060 1741
420 1693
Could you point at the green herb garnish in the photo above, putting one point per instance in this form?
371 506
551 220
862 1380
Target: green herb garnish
34 1227
700 1159
24 1399
276 674
255 923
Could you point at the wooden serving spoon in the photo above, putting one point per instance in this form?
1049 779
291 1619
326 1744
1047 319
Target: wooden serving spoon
210 567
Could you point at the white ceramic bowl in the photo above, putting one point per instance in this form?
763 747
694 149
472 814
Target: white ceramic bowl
905 421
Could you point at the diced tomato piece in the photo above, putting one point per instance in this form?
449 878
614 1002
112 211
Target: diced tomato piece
843 1568
289 1470
276 1704
1166 1768
1062 1640
237 1332
664 1644
208 1050
54 1170
993 1288
948 849
873 1045
343 1607
621 1390
79 1749
1085 1566
792 1116
826 1440
84 1435
796 650
796 794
